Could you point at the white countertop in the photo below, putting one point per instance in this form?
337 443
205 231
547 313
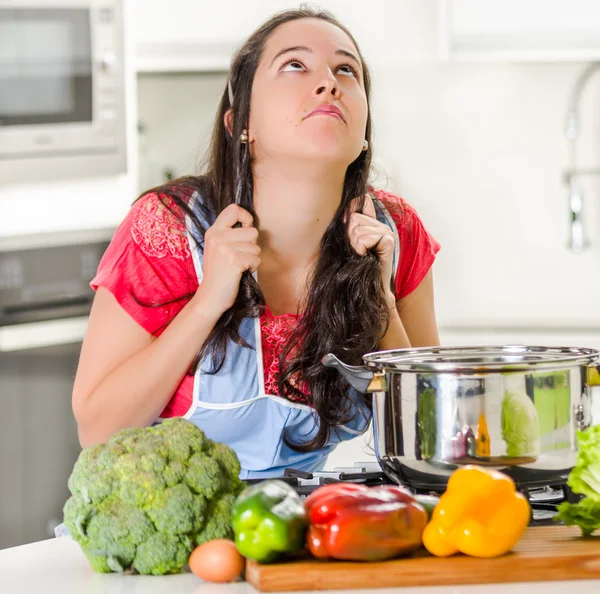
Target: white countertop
59 566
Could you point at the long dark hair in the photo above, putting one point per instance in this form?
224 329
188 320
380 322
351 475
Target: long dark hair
344 310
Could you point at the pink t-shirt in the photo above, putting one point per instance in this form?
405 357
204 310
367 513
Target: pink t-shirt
149 261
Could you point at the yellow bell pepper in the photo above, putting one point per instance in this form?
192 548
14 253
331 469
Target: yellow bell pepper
481 514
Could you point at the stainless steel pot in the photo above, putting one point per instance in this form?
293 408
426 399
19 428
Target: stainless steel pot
515 408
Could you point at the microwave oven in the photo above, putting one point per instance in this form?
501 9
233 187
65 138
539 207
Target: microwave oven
62 89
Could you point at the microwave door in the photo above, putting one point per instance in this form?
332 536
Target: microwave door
45 67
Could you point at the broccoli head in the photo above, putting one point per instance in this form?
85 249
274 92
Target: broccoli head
147 497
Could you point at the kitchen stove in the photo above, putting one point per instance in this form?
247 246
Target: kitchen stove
543 500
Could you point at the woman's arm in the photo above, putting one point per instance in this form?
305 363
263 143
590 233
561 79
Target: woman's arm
126 377
413 322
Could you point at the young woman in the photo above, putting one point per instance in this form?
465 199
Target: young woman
220 294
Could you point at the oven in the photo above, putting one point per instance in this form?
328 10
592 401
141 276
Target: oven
45 301
62 89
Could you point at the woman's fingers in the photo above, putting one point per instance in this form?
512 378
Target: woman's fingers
368 208
250 261
247 234
361 230
247 248
357 219
366 242
231 215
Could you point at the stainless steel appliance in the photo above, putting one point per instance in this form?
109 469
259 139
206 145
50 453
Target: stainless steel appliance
542 500
45 300
515 408
62 89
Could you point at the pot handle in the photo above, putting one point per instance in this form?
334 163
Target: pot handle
361 378
593 376
592 385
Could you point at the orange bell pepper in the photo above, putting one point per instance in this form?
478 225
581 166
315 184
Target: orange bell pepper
481 514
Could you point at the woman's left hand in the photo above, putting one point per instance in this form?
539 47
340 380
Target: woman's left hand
364 232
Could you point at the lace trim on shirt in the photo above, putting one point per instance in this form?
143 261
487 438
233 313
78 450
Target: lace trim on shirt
394 204
157 231
275 331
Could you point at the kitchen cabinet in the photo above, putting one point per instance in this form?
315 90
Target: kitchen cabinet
520 30
192 36
187 35
38 441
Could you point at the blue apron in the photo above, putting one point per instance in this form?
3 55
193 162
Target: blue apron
232 407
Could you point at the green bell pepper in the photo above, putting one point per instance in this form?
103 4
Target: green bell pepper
268 520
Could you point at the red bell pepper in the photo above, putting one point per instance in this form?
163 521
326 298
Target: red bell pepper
358 523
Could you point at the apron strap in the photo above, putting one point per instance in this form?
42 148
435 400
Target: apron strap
383 216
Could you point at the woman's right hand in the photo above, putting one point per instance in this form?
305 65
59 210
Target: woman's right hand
228 253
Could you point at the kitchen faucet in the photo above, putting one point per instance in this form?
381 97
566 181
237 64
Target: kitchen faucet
578 240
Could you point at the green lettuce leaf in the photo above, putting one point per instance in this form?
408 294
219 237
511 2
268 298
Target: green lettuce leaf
585 514
585 476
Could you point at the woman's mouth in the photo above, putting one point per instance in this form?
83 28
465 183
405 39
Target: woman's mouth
328 110
326 113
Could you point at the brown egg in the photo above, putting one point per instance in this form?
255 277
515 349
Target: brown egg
216 561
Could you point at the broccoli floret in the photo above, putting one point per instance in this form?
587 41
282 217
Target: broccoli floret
162 553
227 458
146 497
126 439
99 563
174 473
141 488
152 444
81 513
205 475
109 455
237 486
89 479
114 531
177 510
218 524
181 438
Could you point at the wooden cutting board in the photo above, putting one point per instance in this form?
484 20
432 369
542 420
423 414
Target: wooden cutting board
544 553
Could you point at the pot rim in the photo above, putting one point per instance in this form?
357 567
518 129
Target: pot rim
480 358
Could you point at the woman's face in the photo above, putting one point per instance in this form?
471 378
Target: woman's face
308 63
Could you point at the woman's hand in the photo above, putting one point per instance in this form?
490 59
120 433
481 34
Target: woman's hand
228 253
365 231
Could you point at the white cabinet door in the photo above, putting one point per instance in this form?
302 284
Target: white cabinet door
520 30
194 35
183 34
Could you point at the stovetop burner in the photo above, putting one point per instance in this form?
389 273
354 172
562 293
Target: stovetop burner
543 500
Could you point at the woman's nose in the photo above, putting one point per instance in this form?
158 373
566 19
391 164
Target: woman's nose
328 85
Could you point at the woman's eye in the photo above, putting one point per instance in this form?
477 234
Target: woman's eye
292 63
349 69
